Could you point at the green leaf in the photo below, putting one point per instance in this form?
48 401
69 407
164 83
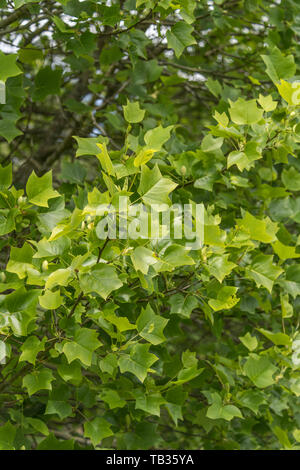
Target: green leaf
174 256
82 348
47 82
73 172
109 363
206 182
250 342
278 66
151 326
51 443
70 372
146 72
7 224
5 176
216 89
30 349
20 260
289 92
262 230
39 190
245 112
260 370
65 228
267 103
61 408
143 157
8 66
101 279
5 350
38 425
176 398
210 144
186 375
62 26
111 15
21 300
142 259
149 403
251 399
105 160
183 305
263 271
122 323
286 308
180 37
50 300
220 267
38 380
29 54
7 436
138 362
244 159
237 158
88 145
46 249
97 429
283 438
19 3
291 179
60 277
157 137
133 113
226 299
219 411
8 129
222 119
284 251
113 399
154 188
280 339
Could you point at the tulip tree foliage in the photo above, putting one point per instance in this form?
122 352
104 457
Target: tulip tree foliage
135 343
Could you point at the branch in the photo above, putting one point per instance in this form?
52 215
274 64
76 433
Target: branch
102 249
120 31
13 17
75 305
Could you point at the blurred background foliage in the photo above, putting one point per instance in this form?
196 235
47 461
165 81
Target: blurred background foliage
82 60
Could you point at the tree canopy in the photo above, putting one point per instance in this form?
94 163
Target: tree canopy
141 343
